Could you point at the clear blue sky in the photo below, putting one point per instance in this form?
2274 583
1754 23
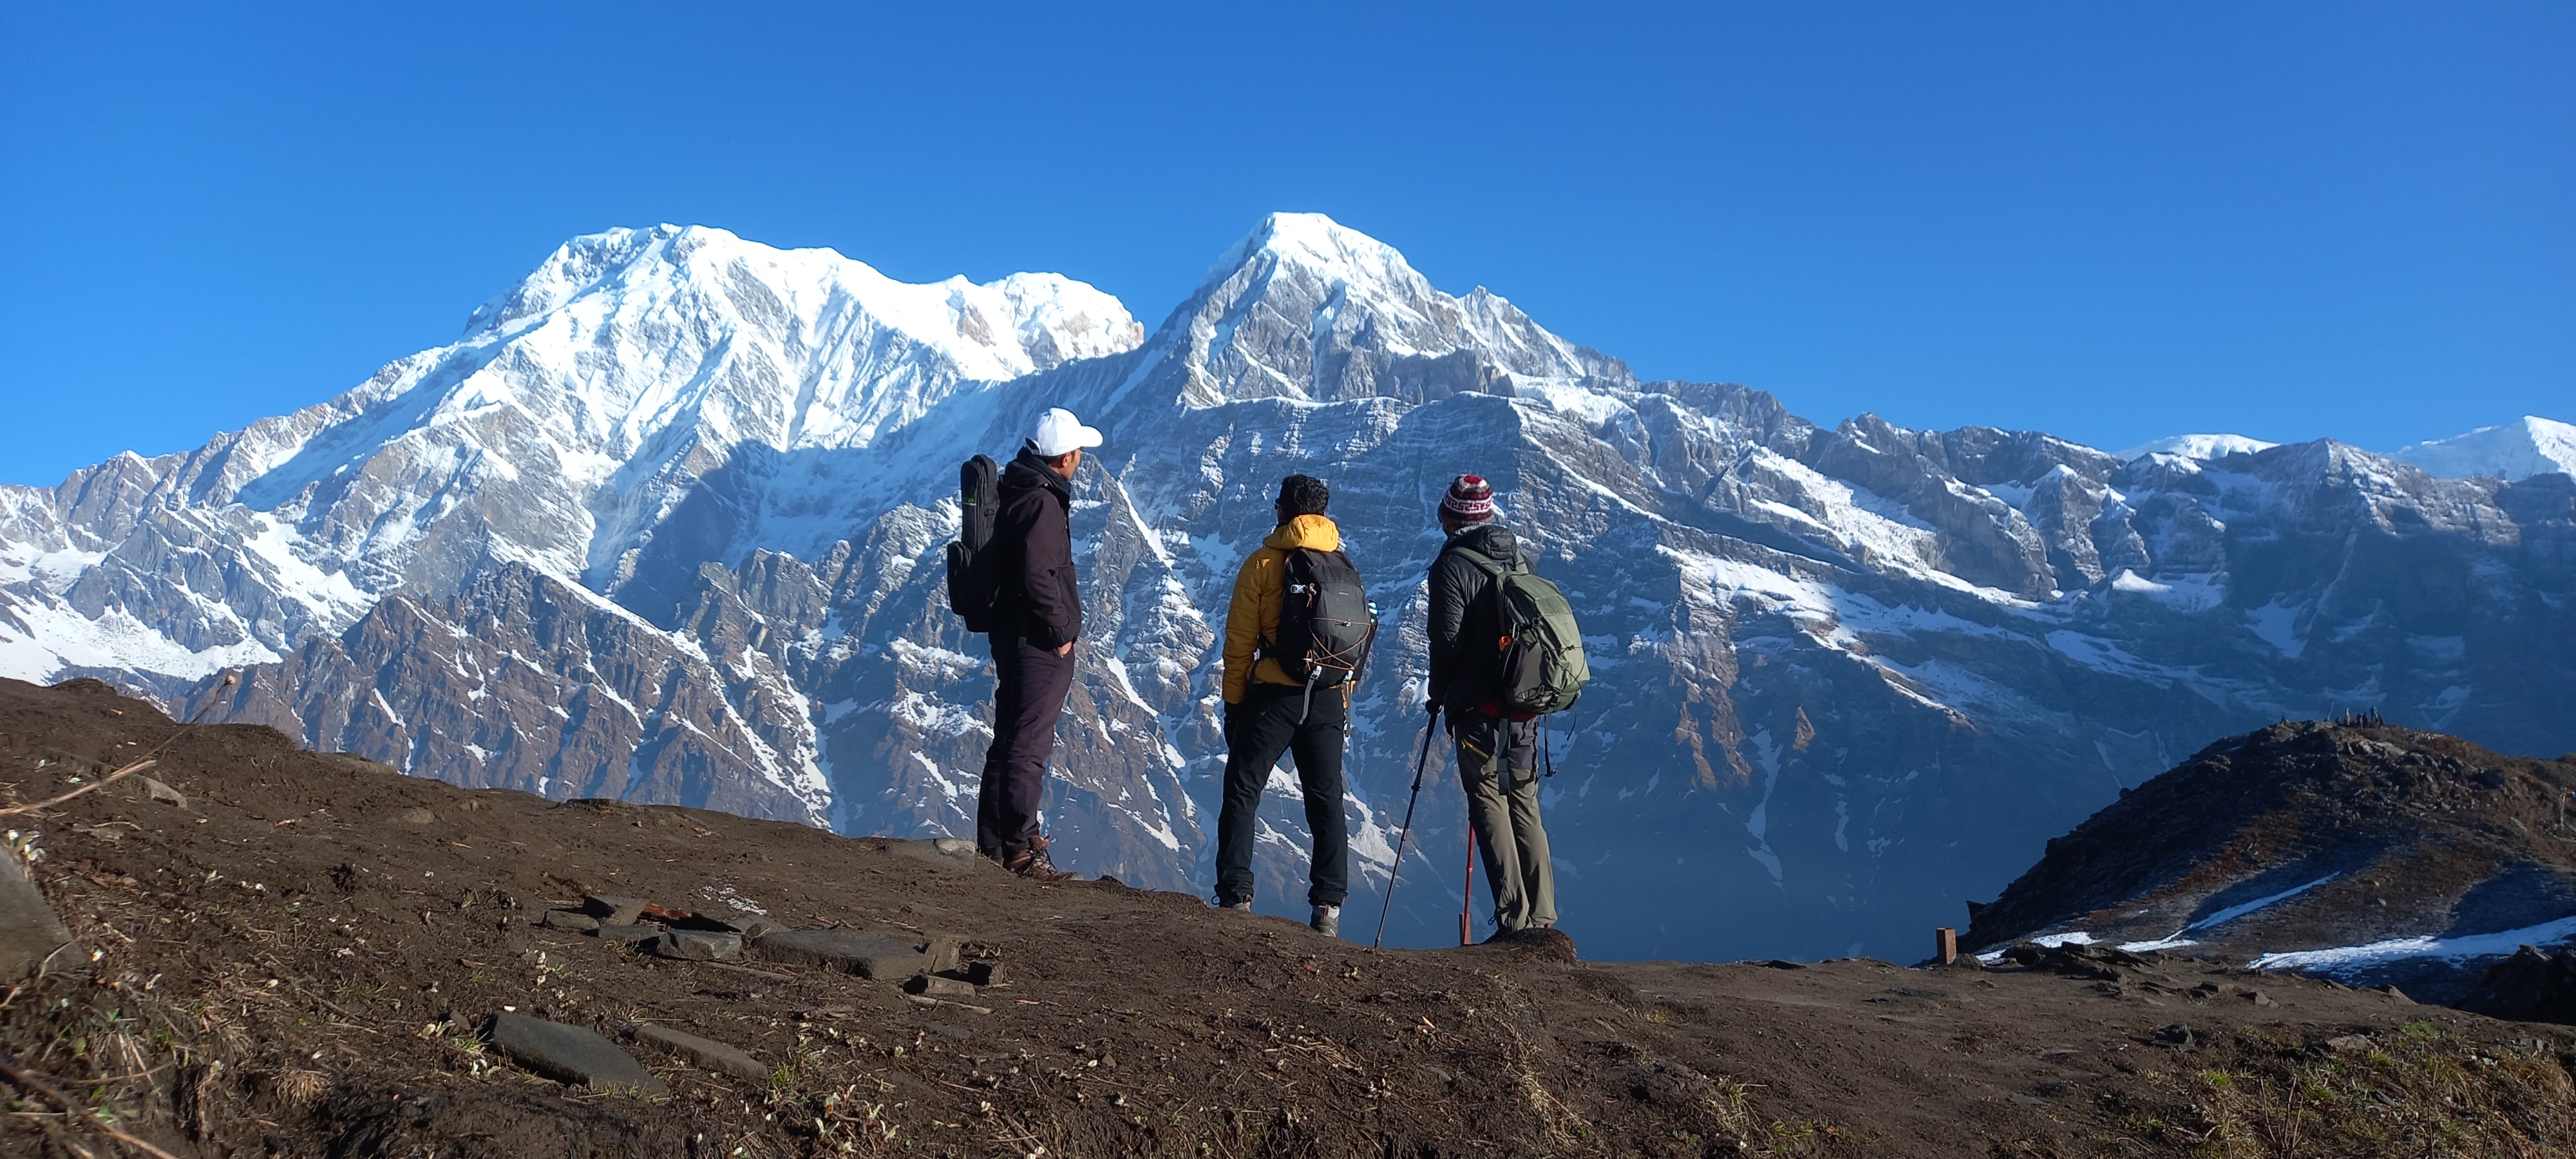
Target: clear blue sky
2107 221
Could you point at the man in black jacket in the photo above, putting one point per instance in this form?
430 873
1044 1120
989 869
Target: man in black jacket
1038 616
1497 750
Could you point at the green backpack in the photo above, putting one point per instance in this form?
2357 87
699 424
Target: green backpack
1543 668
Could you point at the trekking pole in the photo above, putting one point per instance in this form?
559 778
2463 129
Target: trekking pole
1392 870
1467 901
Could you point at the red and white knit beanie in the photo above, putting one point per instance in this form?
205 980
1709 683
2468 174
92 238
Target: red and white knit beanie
1471 498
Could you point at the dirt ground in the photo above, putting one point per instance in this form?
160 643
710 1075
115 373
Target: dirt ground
298 962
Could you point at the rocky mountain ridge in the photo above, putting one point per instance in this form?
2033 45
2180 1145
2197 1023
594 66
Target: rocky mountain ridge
2365 852
665 525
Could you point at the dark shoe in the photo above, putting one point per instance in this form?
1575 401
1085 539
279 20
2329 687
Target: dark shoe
1242 903
1327 920
1032 863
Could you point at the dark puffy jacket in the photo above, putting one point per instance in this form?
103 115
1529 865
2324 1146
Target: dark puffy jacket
1033 564
1466 625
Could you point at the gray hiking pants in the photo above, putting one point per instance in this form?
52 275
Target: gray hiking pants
1498 762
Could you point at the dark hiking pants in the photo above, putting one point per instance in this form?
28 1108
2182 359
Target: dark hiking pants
1498 761
1028 694
1259 729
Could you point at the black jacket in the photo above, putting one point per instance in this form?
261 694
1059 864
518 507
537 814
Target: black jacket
1466 623
1033 564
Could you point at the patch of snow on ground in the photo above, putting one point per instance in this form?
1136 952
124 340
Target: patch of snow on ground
2343 959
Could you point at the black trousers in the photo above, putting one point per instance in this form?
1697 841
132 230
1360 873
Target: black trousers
1028 694
1258 730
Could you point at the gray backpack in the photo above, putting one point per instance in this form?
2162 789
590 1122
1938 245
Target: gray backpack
1542 666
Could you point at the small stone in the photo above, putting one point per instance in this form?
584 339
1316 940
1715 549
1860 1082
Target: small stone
942 853
2348 1044
865 955
2176 1035
157 791
2393 992
2258 998
628 933
935 986
413 816
569 1054
712 1055
943 953
613 911
564 919
698 945
984 973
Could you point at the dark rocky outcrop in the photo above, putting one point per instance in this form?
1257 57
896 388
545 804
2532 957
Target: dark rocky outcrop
2533 985
2309 836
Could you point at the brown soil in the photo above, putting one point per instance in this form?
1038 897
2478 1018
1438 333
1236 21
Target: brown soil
297 963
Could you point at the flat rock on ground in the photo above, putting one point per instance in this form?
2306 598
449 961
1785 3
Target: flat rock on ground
30 934
570 1054
708 1053
866 955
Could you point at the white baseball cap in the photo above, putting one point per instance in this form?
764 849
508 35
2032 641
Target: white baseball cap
1058 432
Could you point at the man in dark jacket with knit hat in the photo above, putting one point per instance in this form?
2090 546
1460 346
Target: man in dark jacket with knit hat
1038 616
1497 750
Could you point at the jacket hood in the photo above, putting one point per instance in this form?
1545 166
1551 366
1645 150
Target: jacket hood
1028 472
1312 532
1491 540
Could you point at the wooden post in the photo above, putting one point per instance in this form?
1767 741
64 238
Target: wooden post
1945 946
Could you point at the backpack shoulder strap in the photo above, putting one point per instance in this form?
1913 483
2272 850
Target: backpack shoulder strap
1488 564
1484 563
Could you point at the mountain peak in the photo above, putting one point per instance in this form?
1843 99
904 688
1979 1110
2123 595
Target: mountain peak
1333 251
2509 451
2196 447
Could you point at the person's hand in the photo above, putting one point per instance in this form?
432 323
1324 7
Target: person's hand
1064 648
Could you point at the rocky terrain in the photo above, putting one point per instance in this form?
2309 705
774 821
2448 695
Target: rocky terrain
664 525
2361 851
278 952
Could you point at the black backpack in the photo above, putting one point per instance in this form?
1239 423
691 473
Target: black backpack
971 590
1325 620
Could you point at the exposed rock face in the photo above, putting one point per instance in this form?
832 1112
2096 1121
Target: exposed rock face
666 524
2374 854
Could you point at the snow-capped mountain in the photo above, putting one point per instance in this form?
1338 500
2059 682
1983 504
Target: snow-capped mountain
2511 451
2197 447
666 524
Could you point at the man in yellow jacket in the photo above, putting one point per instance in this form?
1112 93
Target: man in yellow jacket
1269 713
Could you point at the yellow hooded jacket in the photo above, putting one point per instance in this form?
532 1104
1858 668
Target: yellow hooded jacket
1254 615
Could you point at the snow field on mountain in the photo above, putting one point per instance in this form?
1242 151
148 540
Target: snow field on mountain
2510 451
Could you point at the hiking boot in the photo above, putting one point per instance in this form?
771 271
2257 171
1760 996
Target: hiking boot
1032 863
1244 903
1327 920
